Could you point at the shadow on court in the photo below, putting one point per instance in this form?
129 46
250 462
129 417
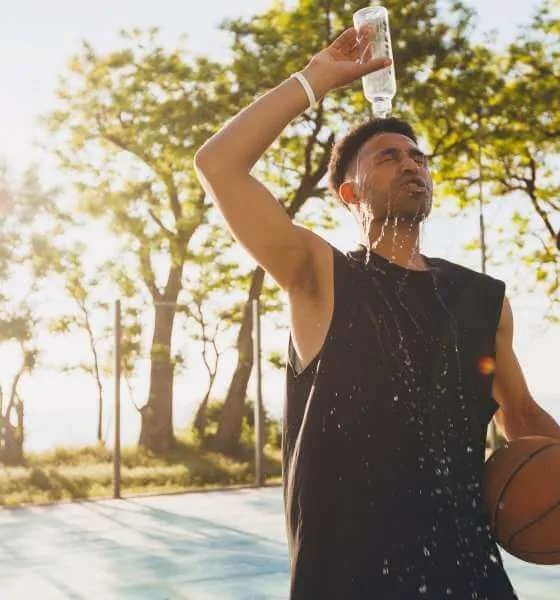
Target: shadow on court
204 546
228 545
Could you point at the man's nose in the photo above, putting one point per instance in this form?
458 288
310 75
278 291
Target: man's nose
407 163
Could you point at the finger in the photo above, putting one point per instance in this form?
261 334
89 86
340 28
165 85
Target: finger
346 38
364 31
365 51
375 64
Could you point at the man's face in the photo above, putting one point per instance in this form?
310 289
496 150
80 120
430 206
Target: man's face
392 179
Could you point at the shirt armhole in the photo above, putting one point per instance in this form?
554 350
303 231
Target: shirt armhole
340 268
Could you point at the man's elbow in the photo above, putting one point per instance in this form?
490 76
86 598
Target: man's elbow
534 420
201 160
209 166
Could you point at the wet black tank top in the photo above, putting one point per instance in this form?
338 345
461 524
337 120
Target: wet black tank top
384 438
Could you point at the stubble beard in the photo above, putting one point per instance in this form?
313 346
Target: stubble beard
393 212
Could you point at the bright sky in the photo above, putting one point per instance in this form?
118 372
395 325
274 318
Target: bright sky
37 38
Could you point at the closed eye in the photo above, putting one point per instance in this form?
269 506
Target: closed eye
391 155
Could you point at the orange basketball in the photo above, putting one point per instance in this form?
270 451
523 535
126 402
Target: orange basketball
521 489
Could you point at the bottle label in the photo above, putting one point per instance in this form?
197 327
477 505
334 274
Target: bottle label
380 39
380 85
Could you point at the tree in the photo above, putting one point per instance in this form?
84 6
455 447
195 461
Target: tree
87 318
524 158
203 305
508 104
16 328
129 124
26 232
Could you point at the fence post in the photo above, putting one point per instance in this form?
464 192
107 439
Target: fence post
117 448
259 425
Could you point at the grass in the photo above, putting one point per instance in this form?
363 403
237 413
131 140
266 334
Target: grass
71 474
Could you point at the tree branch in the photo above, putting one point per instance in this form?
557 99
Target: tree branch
167 232
148 273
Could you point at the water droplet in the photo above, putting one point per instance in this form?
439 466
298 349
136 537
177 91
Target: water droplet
426 551
423 588
493 557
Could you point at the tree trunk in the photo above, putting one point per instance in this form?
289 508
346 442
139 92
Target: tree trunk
20 430
100 412
11 439
156 433
96 373
202 410
201 415
231 418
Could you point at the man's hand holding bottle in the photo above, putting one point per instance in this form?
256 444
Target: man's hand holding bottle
347 59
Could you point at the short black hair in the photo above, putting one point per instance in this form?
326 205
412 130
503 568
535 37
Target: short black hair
348 147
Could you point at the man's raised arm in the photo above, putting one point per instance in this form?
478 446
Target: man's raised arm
223 163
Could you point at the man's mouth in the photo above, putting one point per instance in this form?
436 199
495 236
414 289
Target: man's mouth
416 183
415 180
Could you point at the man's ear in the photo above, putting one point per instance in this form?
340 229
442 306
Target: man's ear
347 193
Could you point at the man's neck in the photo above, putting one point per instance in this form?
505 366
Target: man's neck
399 244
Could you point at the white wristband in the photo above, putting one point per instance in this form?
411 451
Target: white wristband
308 89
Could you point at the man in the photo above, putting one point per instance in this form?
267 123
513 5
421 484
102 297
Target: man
396 362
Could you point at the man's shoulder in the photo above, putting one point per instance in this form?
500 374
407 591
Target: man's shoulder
462 270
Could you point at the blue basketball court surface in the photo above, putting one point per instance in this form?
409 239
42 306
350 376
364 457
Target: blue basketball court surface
227 545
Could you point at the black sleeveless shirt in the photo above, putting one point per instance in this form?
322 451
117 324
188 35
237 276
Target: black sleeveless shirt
384 438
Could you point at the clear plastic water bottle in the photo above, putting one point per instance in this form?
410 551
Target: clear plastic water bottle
380 87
